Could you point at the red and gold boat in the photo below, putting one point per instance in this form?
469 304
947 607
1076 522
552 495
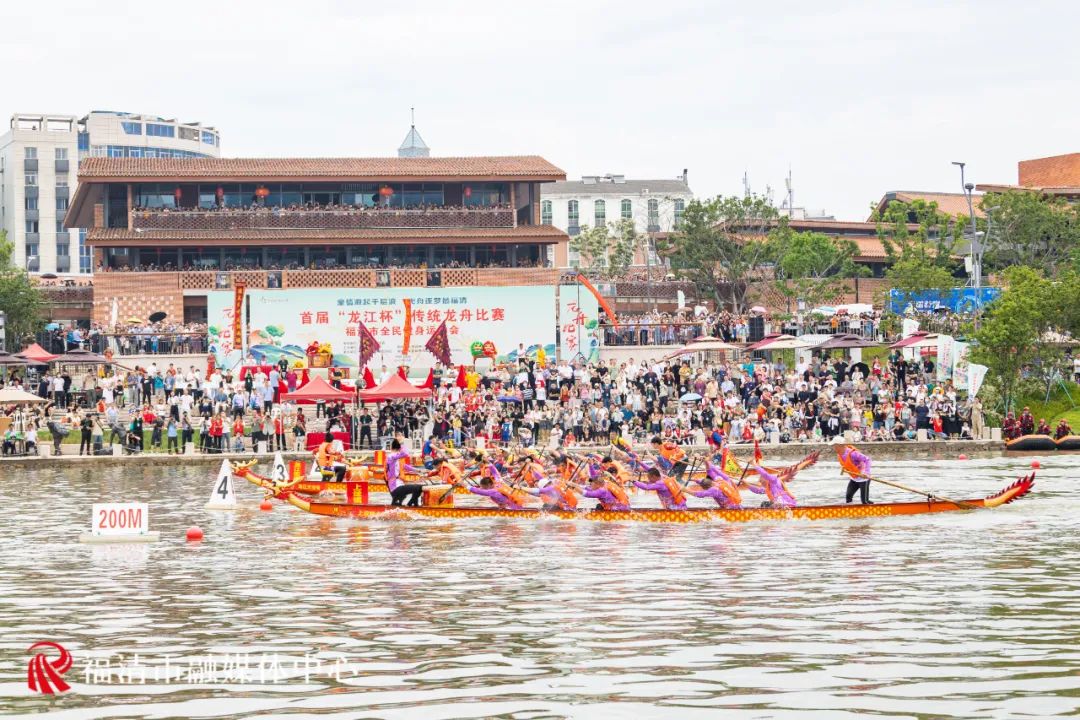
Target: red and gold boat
439 504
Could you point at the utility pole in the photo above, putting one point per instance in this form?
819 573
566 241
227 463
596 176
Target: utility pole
974 247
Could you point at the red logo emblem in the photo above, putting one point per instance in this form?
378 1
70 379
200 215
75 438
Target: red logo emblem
44 675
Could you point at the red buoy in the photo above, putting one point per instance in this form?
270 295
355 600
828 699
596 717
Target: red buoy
266 505
961 456
194 533
1035 464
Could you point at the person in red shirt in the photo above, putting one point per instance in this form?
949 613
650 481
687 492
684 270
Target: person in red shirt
279 432
238 433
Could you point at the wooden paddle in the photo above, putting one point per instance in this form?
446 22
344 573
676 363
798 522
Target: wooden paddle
930 495
464 476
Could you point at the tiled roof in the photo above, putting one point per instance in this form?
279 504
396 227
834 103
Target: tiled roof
870 247
948 203
525 233
522 167
1058 171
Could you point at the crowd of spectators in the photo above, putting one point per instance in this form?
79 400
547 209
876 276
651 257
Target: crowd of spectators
320 207
320 264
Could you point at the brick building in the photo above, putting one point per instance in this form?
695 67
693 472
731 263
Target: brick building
165 233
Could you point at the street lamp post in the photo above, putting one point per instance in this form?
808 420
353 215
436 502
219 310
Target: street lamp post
974 247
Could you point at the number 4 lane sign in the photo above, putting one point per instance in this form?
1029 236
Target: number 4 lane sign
223 494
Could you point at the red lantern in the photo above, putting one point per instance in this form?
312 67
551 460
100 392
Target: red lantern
177 193
220 193
386 191
261 192
468 191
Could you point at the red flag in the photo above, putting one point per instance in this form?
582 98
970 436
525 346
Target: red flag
461 381
757 453
430 382
368 345
401 372
369 379
439 344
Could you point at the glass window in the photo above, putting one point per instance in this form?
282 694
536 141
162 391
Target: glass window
116 152
30 153
545 212
31 179
680 205
572 212
31 226
627 211
433 195
31 203
413 195
63 249
150 153
485 194
86 256
132 128
160 130
31 249
61 180
654 215
60 227
208 137
61 153
61 203
600 213
84 141
134 152
187 133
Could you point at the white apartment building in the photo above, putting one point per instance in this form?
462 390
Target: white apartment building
655 206
39 159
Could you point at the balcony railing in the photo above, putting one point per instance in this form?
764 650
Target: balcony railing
351 219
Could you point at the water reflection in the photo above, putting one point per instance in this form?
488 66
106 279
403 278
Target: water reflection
971 615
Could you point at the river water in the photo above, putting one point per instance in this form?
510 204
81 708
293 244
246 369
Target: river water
973 615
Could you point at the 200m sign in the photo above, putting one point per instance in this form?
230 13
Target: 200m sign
120 518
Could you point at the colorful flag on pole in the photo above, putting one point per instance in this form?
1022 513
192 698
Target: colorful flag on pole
369 379
439 344
368 344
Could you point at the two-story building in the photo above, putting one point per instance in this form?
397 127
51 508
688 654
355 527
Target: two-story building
175 236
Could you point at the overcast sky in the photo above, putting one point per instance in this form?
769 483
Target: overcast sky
857 97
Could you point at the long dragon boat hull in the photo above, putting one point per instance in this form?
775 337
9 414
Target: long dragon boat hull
1030 443
1069 442
658 515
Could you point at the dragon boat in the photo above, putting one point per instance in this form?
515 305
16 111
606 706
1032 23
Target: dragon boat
438 504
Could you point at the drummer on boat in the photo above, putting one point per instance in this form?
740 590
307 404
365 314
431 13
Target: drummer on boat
329 459
395 468
858 467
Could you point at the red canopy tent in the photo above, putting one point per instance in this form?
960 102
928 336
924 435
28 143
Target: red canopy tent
394 388
318 389
916 340
37 354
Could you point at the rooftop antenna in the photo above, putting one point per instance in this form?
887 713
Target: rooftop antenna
746 184
412 117
790 195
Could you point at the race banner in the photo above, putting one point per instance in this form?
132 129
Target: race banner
238 315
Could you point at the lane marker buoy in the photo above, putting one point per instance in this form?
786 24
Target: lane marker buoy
266 506
194 533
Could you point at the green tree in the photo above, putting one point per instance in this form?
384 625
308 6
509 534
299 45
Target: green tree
813 267
20 301
604 253
722 245
919 242
1011 334
1028 228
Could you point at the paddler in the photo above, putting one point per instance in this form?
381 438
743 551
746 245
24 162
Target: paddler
775 488
532 470
718 486
858 467
608 493
329 459
667 489
557 494
395 467
445 471
493 487
672 457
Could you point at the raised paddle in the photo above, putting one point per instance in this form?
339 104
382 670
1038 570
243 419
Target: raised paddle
464 476
928 495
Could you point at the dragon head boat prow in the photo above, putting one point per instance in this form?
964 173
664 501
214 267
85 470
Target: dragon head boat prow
1017 490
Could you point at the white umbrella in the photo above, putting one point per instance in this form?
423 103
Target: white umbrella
11 394
704 344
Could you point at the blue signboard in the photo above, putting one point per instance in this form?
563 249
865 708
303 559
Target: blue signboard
957 300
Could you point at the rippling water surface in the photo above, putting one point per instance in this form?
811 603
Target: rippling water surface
955 615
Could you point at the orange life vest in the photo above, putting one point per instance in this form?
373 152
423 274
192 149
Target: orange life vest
568 470
615 489
567 495
619 471
518 497
448 473
323 456
527 472
672 452
730 492
677 496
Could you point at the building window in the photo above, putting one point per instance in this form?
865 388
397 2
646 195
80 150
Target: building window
545 212
116 152
31 203
31 153
62 203
132 128
31 179
572 213
61 180
60 228
627 210
61 153
207 137
31 249
160 130
84 141
189 133
31 226
680 205
654 215
63 249
600 213
86 256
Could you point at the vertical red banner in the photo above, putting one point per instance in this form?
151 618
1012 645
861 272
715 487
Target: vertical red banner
238 315
407 329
